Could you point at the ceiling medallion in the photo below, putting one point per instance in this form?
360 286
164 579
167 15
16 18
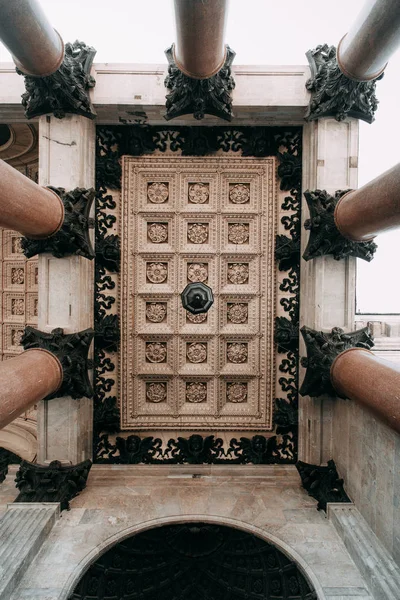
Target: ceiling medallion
196 352
197 233
196 392
236 392
157 232
156 392
237 313
198 193
156 311
237 352
238 233
158 193
197 272
238 273
157 272
239 194
156 352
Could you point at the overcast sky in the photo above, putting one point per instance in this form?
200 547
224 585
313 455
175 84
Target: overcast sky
260 32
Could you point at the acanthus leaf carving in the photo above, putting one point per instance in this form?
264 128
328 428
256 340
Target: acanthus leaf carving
325 238
73 236
322 349
66 90
71 349
51 483
322 483
335 95
210 96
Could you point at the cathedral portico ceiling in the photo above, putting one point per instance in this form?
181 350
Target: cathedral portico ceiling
183 210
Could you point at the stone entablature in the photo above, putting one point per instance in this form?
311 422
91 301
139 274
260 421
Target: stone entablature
135 93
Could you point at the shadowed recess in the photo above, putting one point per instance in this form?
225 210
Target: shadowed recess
194 561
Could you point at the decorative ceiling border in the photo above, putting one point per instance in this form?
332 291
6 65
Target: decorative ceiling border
137 140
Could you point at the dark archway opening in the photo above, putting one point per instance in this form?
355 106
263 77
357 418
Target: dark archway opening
5 134
193 561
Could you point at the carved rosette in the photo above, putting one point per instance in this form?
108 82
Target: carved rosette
158 193
72 351
197 272
210 96
196 352
236 392
335 95
73 237
156 311
157 272
322 349
239 193
156 352
197 233
238 273
196 392
198 193
325 238
18 275
200 318
238 313
157 232
156 392
237 352
66 90
238 233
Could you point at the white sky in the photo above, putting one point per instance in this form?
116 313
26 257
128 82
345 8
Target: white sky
260 32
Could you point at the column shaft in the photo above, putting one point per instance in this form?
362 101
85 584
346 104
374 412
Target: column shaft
364 51
36 47
362 214
371 381
25 206
200 27
26 379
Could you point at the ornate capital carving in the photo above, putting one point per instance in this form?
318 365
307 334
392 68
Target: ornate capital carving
322 483
73 237
71 349
7 458
322 349
335 95
210 96
52 483
66 90
325 238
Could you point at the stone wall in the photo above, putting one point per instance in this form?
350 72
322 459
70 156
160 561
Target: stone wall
367 456
122 500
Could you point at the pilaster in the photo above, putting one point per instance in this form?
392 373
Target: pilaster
23 529
66 159
327 288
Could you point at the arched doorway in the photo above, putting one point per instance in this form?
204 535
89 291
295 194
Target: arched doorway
193 561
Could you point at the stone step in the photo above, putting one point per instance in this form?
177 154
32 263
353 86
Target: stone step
23 529
379 570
